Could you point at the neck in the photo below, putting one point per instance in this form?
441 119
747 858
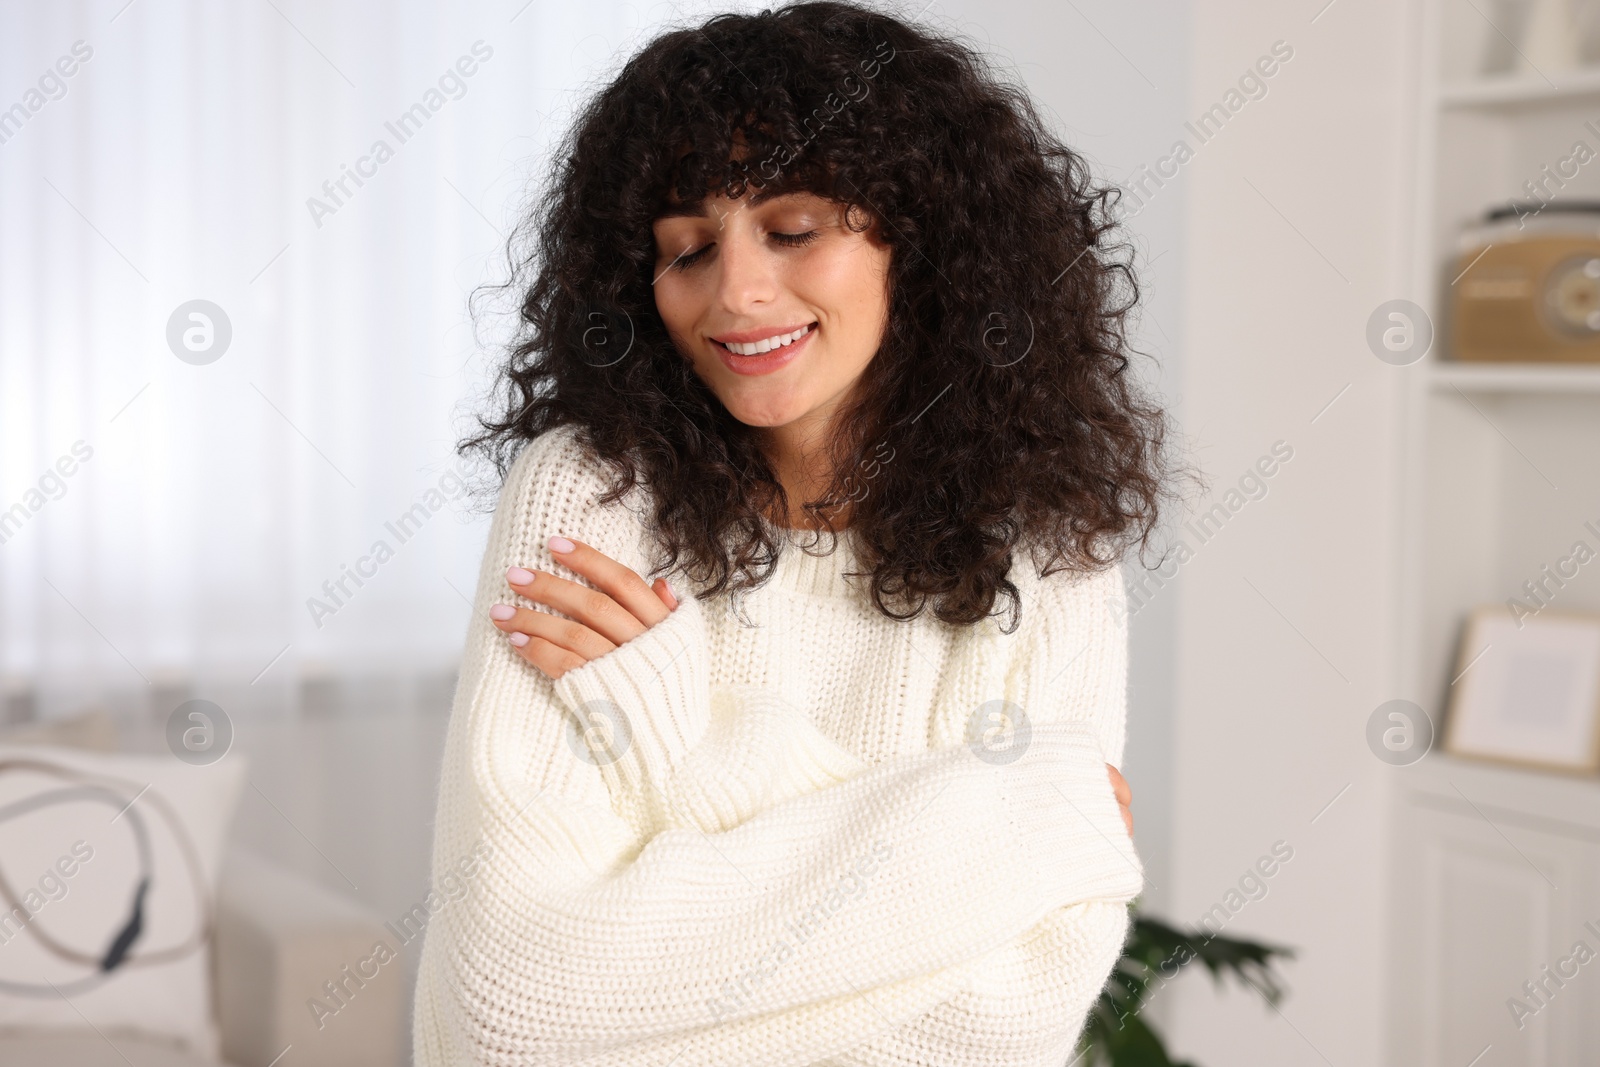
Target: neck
798 454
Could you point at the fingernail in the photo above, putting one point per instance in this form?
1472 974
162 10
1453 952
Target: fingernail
671 591
561 544
502 612
518 576
519 639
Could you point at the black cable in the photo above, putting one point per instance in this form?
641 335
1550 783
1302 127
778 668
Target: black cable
119 952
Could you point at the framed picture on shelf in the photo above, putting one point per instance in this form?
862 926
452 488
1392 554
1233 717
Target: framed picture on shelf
1527 690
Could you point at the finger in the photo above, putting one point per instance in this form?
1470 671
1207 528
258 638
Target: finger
593 608
664 591
564 634
550 658
1127 820
622 584
1119 785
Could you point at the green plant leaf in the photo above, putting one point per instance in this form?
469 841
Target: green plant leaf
1115 1035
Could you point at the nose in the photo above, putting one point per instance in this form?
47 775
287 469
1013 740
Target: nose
747 272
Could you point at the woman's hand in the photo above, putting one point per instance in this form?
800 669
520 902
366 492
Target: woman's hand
620 608
1119 786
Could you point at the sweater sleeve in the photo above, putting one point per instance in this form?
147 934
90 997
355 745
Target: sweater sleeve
780 920
1024 1004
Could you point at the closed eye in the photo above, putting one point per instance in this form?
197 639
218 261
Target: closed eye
795 239
790 240
686 261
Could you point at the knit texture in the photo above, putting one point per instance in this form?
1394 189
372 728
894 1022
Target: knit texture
777 830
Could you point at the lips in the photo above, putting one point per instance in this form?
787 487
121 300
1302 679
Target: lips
767 361
759 341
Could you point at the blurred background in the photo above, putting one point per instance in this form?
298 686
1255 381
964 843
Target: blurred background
237 243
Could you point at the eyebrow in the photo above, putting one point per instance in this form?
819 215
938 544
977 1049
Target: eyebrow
696 208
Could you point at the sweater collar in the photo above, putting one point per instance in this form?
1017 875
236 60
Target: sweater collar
805 564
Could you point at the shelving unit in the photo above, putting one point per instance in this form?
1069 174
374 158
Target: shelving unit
1494 869
1531 378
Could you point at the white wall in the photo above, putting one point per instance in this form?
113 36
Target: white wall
1285 625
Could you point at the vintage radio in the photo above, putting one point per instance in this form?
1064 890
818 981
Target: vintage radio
1527 286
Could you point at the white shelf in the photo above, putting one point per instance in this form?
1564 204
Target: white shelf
1565 802
1515 377
1522 90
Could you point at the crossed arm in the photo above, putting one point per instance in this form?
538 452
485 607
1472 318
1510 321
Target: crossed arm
615 608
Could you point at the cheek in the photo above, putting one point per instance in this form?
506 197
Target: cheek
670 301
866 293
679 307
853 283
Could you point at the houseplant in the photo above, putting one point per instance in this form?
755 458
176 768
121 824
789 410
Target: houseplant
1117 1036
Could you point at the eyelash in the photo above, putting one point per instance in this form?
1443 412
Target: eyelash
792 240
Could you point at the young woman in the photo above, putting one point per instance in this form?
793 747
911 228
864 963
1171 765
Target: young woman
806 275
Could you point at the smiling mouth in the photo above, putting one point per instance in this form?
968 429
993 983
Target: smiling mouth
770 344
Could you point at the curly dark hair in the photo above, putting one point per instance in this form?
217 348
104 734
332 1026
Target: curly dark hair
999 409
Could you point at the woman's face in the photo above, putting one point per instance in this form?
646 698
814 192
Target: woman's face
735 277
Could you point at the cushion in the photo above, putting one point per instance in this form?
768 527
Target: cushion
80 832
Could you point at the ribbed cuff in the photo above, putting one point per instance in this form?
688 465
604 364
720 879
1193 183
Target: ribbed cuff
646 703
1060 804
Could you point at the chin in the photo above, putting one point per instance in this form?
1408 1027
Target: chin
766 418
766 415
753 408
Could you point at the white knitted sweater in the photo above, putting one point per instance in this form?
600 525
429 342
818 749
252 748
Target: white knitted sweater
798 847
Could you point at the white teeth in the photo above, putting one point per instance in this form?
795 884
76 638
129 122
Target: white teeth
758 347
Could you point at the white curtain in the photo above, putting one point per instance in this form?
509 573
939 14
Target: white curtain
215 512
173 528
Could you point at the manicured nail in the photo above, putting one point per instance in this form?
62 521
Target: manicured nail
561 544
518 576
519 639
673 593
502 612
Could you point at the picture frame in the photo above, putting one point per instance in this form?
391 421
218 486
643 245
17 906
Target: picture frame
1526 690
